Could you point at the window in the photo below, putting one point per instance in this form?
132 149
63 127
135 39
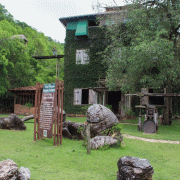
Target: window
82 57
92 23
84 96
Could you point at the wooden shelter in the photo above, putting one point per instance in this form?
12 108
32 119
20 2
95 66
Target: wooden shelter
23 97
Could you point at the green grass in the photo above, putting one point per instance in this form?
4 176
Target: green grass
76 119
164 132
70 161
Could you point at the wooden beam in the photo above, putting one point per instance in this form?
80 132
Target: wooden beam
162 94
155 94
48 57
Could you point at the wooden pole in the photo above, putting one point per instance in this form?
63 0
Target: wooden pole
35 111
61 119
140 122
56 68
39 106
88 138
56 115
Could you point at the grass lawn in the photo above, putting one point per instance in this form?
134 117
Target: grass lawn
71 162
164 132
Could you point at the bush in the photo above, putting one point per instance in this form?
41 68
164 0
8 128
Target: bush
114 131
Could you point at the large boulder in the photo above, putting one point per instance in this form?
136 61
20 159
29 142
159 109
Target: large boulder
12 122
73 130
101 118
134 168
24 173
100 141
9 171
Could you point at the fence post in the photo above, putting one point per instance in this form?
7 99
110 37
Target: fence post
88 138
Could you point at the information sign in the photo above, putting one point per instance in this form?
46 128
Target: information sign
47 110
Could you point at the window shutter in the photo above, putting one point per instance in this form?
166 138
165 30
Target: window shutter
92 97
85 57
77 96
78 57
82 57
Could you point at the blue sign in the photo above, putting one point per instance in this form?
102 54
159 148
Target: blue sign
49 88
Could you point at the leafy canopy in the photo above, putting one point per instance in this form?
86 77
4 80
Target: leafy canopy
144 48
17 67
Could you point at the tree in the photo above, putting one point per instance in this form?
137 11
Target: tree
3 72
16 64
144 48
17 67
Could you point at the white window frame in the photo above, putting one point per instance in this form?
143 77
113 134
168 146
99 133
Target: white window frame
82 56
92 96
78 96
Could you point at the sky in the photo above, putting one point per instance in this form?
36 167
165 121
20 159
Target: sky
43 15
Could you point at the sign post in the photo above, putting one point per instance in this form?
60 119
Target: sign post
49 111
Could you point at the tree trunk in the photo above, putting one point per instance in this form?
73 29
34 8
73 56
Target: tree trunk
27 118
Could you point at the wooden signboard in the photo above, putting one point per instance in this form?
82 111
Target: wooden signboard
47 110
48 115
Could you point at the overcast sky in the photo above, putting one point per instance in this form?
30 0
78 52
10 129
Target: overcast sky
44 15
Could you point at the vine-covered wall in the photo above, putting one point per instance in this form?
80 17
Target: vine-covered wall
82 75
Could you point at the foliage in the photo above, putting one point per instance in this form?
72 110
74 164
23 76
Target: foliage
114 129
78 75
42 158
17 67
29 105
144 47
85 108
129 113
109 106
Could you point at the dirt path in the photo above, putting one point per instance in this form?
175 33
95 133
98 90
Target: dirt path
151 140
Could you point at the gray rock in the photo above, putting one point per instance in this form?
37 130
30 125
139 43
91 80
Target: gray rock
12 122
24 174
97 113
73 130
8 170
101 118
99 141
133 168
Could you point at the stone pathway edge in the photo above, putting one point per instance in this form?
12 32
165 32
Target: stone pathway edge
150 140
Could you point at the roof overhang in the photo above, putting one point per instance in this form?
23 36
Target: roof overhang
65 20
100 89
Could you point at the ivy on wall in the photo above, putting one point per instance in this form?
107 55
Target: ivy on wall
82 75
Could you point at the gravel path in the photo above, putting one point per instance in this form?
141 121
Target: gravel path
151 140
